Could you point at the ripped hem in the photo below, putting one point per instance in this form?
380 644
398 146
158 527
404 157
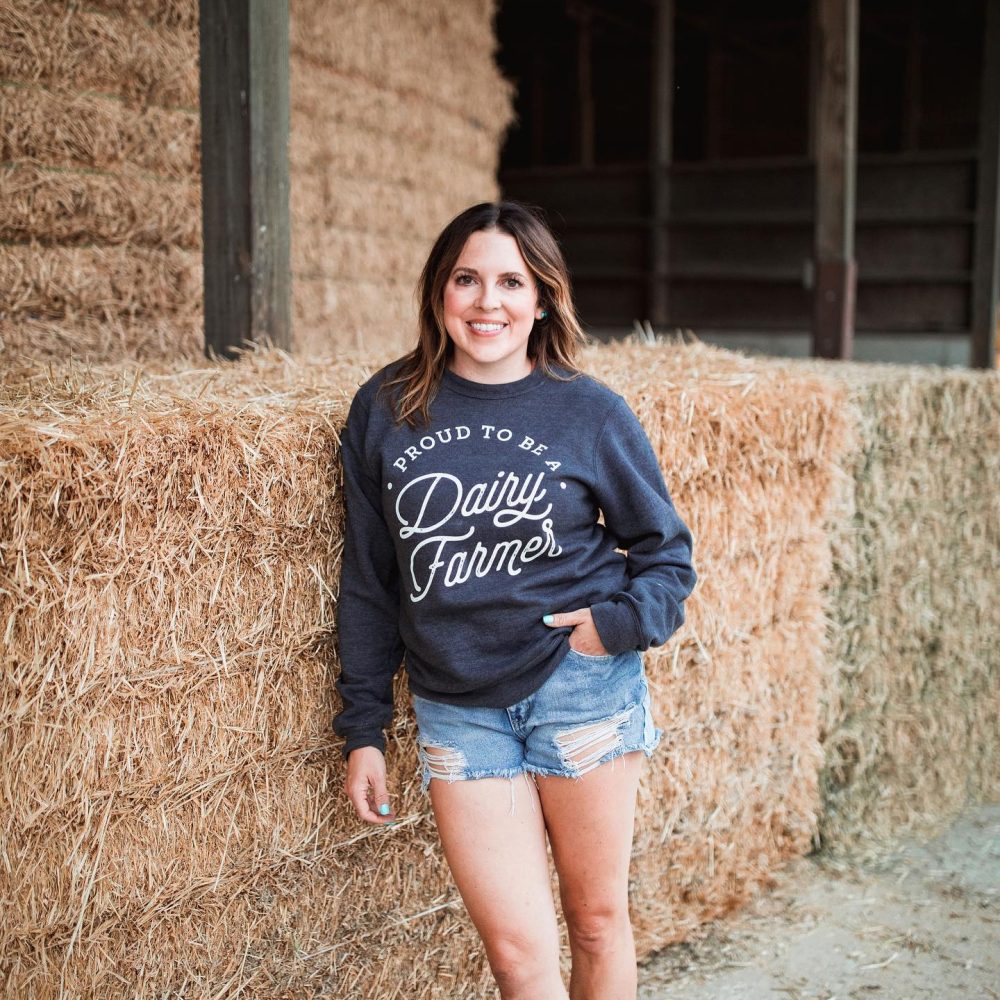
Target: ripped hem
612 754
511 773
467 775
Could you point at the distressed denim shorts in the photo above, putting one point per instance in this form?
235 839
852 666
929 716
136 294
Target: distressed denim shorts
590 710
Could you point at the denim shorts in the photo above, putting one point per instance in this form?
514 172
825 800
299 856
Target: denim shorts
590 710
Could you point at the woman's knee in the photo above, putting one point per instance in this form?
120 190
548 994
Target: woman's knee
597 928
518 959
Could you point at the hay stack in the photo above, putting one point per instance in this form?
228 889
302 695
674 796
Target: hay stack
911 713
171 805
101 234
398 113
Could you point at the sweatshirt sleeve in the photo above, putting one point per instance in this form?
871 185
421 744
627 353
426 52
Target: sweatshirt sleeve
639 513
371 649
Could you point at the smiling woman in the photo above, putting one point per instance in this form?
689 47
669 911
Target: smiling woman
479 556
490 307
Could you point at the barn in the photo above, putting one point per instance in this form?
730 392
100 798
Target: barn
793 179
803 191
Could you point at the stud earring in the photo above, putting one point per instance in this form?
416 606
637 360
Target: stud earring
544 314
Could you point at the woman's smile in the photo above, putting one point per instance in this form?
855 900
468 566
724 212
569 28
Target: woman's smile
487 328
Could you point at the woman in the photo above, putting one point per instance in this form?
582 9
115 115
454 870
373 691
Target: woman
474 468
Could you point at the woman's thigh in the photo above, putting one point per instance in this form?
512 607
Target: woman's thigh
590 821
593 725
498 858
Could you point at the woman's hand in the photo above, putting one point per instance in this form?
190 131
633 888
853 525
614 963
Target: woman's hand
365 785
583 638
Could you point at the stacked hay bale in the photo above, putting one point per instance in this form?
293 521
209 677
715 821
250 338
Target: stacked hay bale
101 230
751 455
398 113
172 809
101 234
911 710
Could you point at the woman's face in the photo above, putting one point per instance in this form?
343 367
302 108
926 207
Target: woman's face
490 306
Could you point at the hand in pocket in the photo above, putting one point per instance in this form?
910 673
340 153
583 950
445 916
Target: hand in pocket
584 637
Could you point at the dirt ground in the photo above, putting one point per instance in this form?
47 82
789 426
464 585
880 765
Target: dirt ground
921 921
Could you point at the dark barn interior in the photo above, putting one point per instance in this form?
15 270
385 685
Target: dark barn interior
698 212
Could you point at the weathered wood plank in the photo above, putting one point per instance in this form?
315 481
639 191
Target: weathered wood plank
244 159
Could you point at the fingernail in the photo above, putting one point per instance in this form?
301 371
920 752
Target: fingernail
547 619
383 810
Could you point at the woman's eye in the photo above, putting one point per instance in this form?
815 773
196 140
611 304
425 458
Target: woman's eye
513 283
460 279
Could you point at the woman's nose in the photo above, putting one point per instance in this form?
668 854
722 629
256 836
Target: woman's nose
488 298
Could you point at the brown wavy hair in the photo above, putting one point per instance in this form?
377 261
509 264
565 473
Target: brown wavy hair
557 338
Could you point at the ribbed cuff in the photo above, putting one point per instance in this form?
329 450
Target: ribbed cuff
617 625
365 738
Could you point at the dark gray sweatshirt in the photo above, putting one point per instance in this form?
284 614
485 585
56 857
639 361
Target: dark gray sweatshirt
460 536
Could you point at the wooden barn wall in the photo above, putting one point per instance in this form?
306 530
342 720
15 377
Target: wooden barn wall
100 249
740 225
741 241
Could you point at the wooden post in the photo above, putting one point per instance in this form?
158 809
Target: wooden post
244 164
537 115
661 157
811 140
585 86
836 128
715 81
984 277
912 80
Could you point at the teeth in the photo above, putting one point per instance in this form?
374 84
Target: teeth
486 327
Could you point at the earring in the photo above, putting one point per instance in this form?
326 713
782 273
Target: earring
544 313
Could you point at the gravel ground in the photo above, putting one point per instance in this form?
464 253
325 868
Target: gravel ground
922 921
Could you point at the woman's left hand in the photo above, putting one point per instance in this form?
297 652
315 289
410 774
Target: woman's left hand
583 638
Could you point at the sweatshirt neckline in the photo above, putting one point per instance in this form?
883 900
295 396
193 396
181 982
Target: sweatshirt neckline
492 390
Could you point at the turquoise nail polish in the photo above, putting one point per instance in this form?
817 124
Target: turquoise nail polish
547 619
383 810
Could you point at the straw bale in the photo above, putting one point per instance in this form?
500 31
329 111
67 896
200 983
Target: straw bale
911 718
382 256
732 791
97 132
70 207
171 539
101 133
104 282
90 339
73 48
753 590
384 147
359 314
342 201
170 13
377 42
332 100
173 536
355 151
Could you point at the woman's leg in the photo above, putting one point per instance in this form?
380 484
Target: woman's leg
590 822
497 856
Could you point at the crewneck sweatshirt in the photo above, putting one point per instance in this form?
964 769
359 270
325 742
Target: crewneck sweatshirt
462 534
